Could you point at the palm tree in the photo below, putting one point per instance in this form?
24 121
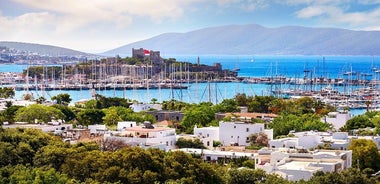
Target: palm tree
368 103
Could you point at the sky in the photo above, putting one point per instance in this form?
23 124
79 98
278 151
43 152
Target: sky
97 26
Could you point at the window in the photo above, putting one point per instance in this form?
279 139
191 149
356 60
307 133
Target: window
167 143
234 126
208 143
208 135
247 129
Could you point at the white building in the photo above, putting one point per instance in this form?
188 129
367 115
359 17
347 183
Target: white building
337 119
307 140
288 142
207 135
217 155
237 133
24 103
125 124
337 140
295 166
156 137
97 129
145 107
56 128
311 139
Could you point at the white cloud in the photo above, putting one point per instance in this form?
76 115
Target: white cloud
311 11
245 5
88 24
339 13
111 11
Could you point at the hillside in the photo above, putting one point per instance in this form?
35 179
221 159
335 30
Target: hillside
258 40
43 49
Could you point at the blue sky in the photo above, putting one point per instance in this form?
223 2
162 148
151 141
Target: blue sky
100 25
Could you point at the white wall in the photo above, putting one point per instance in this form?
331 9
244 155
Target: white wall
237 132
337 119
125 124
207 135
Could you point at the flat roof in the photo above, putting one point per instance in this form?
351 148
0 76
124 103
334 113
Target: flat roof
141 129
218 152
252 115
36 126
299 165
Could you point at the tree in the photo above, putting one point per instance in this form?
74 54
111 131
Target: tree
39 112
9 113
318 106
227 105
41 100
174 105
90 116
252 139
24 174
360 121
105 102
306 105
347 176
28 96
154 100
63 99
201 115
8 104
260 104
287 122
364 154
241 99
262 139
67 111
111 117
367 103
189 143
246 176
7 92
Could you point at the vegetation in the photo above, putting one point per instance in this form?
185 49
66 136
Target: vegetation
258 140
38 112
288 122
7 92
189 143
363 124
360 121
201 115
365 154
30 156
62 99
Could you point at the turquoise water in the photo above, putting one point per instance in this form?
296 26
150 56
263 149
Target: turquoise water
292 66
250 66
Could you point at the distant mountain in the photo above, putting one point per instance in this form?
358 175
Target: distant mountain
43 49
258 40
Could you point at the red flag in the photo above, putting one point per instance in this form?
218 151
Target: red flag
146 52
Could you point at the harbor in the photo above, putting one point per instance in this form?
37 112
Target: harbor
204 79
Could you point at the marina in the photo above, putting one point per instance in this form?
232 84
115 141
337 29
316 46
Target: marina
356 89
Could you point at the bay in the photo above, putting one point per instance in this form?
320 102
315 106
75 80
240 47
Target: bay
248 65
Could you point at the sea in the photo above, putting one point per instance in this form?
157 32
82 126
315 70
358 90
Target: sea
359 67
